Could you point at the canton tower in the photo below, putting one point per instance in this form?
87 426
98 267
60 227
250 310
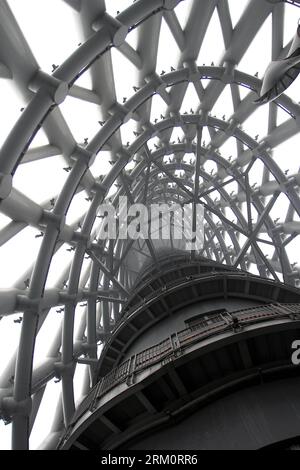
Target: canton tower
112 342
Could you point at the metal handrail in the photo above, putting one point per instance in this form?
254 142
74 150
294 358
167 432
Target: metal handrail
214 325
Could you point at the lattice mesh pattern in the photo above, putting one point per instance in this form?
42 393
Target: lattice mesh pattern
154 101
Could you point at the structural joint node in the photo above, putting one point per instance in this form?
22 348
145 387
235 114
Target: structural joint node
12 407
57 89
116 29
228 74
192 68
159 86
57 220
25 303
121 111
80 153
63 370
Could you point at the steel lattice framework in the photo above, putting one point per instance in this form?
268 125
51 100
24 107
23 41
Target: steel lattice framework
107 282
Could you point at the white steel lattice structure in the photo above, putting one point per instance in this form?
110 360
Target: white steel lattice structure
251 199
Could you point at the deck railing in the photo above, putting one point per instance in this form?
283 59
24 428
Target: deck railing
176 342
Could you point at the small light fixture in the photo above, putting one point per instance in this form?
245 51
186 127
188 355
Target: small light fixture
280 74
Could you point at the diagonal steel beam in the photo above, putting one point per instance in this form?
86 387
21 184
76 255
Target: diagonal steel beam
108 273
255 231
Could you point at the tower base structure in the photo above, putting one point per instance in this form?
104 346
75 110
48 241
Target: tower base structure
200 359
